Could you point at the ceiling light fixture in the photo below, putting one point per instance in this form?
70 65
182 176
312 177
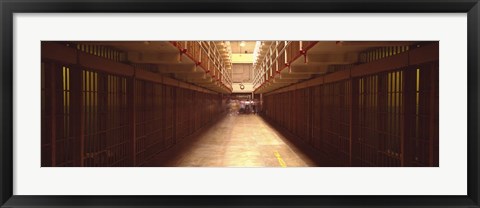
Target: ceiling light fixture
242 44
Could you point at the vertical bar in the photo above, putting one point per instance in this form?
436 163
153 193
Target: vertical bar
178 120
383 111
309 93
87 147
93 121
131 94
52 67
353 112
173 91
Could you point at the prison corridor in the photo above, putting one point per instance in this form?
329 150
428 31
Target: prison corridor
239 103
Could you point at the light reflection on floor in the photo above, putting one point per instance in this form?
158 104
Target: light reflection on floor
234 141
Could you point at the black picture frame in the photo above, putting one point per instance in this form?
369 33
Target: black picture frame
9 7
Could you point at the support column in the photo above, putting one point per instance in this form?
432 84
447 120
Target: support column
383 116
261 103
174 114
408 116
293 110
308 114
433 115
77 114
311 114
52 70
176 121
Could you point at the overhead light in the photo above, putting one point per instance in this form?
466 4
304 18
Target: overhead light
242 44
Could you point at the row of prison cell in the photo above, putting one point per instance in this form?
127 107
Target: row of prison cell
386 118
91 117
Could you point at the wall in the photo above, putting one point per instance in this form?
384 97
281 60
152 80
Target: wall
242 73
248 88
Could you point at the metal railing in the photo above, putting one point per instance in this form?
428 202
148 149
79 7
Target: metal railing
277 57
207 56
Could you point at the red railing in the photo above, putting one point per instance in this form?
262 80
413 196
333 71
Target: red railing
207 56
283 52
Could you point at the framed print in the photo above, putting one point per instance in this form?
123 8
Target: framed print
245 104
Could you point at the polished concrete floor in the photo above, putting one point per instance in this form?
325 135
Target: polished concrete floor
234 141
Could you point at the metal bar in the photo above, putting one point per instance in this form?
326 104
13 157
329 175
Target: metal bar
132 108
433 114
52 69
353 113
